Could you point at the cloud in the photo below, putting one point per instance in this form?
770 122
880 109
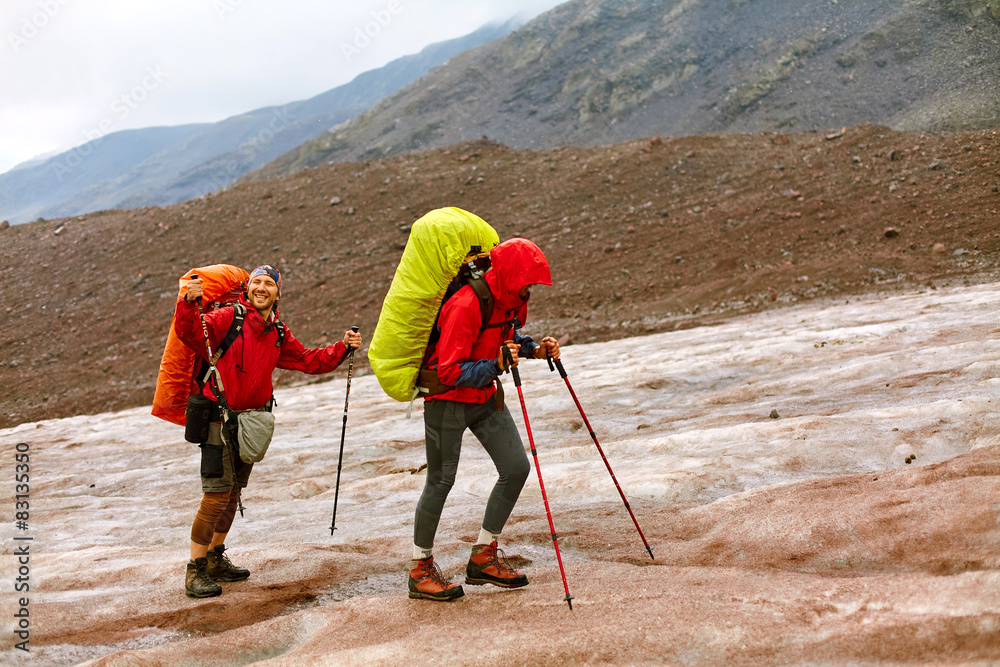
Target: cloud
65 65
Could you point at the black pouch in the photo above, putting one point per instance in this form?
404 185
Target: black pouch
231 428
197 417
211 461
498 397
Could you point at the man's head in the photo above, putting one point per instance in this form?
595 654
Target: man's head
264 288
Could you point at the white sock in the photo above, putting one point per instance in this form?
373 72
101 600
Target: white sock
419 553
486 537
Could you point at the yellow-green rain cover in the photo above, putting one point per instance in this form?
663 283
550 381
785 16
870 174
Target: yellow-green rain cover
438 244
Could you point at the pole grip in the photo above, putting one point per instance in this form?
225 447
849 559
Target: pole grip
509 361
194 276
562 371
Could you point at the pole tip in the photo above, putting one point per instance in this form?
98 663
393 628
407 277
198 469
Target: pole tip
569 601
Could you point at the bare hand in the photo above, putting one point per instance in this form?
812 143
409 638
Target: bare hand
352 339
194 290
513 347
549 347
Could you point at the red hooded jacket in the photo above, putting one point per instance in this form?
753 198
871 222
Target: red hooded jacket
515 263
247 366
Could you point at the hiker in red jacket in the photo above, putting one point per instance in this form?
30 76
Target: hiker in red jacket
263 344
469 359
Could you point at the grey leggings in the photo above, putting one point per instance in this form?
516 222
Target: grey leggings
444 423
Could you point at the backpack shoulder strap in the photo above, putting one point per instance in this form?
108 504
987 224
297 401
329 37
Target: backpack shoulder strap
235 329
280 326
486 301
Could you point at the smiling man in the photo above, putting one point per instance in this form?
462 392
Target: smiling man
262 344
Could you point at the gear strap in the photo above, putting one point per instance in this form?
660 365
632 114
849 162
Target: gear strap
235 329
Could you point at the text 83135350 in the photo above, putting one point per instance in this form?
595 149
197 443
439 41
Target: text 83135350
22 550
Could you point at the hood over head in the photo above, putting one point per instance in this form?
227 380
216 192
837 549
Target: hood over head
516 263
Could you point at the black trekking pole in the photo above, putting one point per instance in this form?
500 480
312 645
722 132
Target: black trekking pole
343 432
220 390
562 372
531 441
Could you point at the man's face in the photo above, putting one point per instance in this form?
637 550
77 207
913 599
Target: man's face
262 292
524 292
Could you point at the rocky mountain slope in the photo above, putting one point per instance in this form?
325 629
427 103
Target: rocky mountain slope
650 235
159 166
595 72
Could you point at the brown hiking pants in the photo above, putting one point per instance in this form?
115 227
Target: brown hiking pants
218 504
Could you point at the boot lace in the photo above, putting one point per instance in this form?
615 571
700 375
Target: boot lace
202 576
430 570
501 562
222 561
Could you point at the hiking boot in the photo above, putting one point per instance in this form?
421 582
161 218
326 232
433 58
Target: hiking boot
197 583
488 565
221 568
427 582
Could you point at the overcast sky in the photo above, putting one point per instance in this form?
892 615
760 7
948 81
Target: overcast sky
73 69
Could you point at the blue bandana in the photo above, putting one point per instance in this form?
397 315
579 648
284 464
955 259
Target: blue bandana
267 270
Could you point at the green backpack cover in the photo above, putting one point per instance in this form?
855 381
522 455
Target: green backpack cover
438 245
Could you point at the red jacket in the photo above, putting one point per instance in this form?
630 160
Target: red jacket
515 264
246 367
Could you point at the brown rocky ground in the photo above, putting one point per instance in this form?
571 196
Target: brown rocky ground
646 236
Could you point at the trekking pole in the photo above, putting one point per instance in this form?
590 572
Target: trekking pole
531 441
343 432
214 373
562 372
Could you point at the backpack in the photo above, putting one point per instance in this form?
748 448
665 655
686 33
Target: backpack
447 248
177 378
471 273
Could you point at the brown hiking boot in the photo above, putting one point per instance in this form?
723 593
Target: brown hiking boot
427 582
221 568
197 583
488 565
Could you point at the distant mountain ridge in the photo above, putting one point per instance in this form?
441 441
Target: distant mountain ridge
164 165
596 72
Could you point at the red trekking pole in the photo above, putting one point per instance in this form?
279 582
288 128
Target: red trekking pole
555 542
562 372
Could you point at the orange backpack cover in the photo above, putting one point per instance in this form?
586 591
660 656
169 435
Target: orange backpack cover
221 284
